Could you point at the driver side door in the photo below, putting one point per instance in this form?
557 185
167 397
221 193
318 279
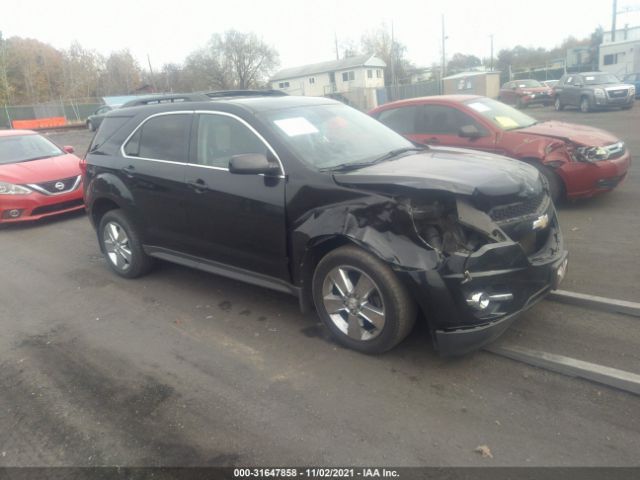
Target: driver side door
440 125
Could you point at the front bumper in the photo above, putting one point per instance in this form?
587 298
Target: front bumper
500 270
584 180
36 205
606 101
537 99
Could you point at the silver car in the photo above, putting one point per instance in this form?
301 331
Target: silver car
592 90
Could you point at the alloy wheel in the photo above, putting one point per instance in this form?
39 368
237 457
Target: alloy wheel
116 245
354 303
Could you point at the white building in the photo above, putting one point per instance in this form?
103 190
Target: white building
337 76
623 55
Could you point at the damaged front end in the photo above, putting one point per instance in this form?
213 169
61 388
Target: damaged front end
499 257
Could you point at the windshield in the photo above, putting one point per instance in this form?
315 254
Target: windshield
528 83
328 136
600 79
501 115
22 148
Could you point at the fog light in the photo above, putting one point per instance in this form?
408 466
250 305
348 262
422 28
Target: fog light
14 213
478 300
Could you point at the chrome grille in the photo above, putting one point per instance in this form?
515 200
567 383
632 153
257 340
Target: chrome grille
618 93
615 150
55 187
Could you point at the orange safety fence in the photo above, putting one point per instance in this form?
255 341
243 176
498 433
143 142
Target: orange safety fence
39 123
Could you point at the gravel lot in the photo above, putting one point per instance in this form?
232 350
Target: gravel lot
185 368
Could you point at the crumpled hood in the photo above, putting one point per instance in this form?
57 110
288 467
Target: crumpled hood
37 171
580 134
459 171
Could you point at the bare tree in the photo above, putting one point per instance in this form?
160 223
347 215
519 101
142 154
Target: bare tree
378 42
122 73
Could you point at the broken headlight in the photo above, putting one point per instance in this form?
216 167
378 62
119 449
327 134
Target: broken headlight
590 154
438 226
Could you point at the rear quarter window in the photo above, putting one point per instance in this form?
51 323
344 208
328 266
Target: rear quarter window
108 128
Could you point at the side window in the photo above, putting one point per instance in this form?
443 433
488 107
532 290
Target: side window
402 120
165 137
220 137
103 110
439 119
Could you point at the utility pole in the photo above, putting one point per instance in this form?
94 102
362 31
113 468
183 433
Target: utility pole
335 41
443 69
613 20
392 58
491 64
153 80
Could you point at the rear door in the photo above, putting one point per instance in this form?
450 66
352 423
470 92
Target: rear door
153 168
441 124
235 219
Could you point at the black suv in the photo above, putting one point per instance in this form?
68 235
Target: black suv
311 197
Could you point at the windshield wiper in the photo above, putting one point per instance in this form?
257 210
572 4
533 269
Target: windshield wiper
397 152
344 167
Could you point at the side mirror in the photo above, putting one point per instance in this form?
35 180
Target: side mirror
252 163
68 149
469 131
514 88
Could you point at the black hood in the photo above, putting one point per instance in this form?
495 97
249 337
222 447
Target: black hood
458 171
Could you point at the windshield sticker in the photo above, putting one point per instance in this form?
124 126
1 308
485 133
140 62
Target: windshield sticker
479 107
522 85
507 122
296 126
591 78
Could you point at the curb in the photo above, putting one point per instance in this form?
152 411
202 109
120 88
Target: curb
612 377
599 303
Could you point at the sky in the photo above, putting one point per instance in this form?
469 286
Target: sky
302 31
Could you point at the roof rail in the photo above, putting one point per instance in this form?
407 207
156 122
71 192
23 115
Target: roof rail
245 93
166 98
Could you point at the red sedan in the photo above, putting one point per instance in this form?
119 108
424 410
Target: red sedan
577 160
523 93
37 178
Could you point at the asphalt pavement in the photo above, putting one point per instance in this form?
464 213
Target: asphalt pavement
186 368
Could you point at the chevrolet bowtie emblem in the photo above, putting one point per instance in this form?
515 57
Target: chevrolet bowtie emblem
541 222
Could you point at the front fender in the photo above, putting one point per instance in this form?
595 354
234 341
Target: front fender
381 226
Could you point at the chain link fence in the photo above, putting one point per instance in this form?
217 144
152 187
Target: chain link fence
56 113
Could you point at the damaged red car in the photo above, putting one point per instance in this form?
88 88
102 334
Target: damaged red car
577 160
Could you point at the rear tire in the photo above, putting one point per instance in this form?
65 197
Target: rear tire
558 105
121 245
361 301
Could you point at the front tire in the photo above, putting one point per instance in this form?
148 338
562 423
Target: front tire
121 245
585 105
556 185
361 301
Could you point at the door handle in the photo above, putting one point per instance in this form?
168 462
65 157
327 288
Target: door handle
198 185
129 171
432 141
